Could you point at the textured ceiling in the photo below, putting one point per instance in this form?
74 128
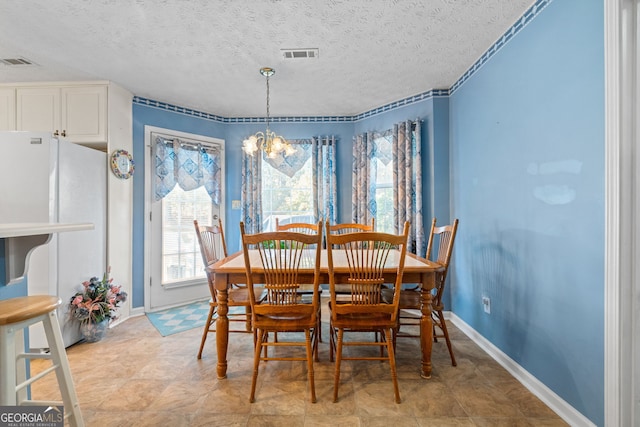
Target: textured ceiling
205 54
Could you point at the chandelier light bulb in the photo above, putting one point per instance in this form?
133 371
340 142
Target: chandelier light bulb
277 145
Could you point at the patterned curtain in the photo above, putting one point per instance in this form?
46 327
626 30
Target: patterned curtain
402 147
407 183
187 164
292 163
251 196
363 191
323 157
325 192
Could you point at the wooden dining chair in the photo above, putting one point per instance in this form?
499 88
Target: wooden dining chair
366 255
213 248
279 256
298 227
350 227
410 298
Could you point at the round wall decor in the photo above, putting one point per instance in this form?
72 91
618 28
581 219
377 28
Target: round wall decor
122 164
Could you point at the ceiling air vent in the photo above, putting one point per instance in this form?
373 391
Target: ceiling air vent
300 53
16 61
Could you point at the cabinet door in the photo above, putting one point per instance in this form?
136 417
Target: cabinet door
7 109
84 113
38 109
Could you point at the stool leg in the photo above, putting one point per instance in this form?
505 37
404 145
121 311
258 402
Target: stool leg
63 373
8 365
21 365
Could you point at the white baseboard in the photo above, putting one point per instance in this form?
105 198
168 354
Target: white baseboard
567 412
135 312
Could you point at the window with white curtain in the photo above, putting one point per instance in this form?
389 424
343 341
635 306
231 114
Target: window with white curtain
383 182
181 259
299 187
290 199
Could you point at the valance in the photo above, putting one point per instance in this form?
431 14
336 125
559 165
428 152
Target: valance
188 164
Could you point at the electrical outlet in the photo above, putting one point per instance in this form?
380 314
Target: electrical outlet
486 303
235 204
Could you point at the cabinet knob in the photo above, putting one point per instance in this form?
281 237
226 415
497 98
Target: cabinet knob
64 133
56 133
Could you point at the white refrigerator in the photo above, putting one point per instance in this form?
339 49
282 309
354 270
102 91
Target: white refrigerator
49 179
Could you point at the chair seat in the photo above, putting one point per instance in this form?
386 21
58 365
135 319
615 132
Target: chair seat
409 298
362 321
240 296
19 309
438 307
284 323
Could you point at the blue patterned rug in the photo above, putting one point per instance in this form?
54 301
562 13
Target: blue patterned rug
180 319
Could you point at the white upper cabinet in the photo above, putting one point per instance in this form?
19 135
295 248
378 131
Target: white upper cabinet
78 113
7 109
38 109
84 113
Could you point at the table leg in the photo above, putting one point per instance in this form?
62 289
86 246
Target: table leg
426 324
222 324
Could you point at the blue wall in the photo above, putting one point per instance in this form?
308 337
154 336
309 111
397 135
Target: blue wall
527 138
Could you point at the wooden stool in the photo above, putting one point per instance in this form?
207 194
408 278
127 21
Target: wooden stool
15 315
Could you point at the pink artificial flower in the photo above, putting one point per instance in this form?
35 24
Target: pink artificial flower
77 300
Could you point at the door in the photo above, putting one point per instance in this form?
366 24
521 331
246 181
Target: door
176 273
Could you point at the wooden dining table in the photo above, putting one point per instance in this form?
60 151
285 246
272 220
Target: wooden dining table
232 269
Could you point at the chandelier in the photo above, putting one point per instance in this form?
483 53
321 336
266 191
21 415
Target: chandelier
267 141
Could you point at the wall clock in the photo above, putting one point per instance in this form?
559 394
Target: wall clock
122 164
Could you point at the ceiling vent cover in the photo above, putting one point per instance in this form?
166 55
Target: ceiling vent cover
300 53
16 61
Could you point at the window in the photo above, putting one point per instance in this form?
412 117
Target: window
288 199
384 196
383 169
181 259
382 164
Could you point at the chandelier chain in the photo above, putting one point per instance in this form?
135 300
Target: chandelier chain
267 102
272 144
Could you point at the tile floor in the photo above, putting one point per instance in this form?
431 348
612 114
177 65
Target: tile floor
136 377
